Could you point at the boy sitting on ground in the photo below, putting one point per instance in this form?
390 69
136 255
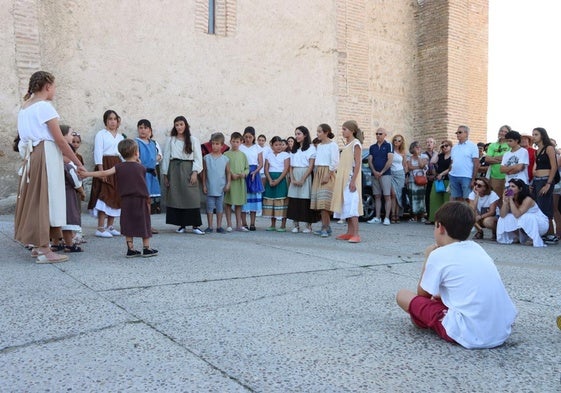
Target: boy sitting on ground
460 294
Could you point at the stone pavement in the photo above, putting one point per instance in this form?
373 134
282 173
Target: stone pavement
260 312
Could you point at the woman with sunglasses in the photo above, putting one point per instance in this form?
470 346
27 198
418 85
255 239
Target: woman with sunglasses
441 164
521 219
398 176
484 202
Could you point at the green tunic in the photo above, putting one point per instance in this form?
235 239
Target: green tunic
237 195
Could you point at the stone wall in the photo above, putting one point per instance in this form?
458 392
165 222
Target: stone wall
414 67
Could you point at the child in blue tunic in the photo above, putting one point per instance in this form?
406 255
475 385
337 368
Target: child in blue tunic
149 158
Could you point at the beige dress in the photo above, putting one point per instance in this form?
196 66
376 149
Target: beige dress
345 203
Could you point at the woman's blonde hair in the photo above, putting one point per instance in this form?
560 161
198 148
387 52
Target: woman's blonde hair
352 125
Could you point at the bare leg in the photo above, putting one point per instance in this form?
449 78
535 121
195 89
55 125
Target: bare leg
388 205
378 205
238 212
101 220
243 216
403 298
252 216
218 220
228 212
209 219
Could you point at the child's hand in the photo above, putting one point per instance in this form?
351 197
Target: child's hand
194 178
204 189
227 187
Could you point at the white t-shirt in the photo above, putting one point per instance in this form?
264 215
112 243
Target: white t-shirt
327 155
32 122
462 159
105 144
276 161
301 159
485 201
397 163
252 153
480 312
511 158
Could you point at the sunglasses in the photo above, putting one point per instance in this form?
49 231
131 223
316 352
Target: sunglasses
443 146
379 133
459 132
397 140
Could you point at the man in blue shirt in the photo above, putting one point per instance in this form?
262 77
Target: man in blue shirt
380 159
465 163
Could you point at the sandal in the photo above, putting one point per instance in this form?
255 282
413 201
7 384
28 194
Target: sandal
51 257
73 248
478 235
57 247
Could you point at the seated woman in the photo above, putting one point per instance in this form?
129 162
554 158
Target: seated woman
521 219
484 201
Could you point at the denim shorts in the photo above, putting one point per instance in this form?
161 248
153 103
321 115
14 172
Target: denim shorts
460 187
215 202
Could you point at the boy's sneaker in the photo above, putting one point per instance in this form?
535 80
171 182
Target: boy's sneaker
318 233
375 220
229 229
324 234
220 230
133 253
208 230
113 231
197 231
149 252
103 233
180 230
329 231
550 239
386 221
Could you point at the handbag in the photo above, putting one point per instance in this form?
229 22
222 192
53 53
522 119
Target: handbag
420 178
439 186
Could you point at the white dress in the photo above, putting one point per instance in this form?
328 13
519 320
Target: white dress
533 224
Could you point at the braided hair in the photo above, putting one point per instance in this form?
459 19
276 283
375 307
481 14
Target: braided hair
37 81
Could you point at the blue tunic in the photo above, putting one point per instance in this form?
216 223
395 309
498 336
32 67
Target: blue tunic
148 158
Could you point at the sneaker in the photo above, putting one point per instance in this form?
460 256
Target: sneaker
386 221
180 230
375 220
113 231
329 231
281 229
295 230
252 228
306 230
229 229
324 234
133 253
220 230
271 229
341 222
149 252
242 229
197 231
103 233
209 230
319 232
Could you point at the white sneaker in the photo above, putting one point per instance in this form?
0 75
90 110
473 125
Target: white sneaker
113 231
295 230
229 229
197 231
104 233
386 221
375 220
306 230
180 230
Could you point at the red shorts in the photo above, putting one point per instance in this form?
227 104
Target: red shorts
428 314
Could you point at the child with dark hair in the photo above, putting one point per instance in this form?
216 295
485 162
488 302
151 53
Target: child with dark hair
460 294
135 200
515 161
149 159
275 203
236 196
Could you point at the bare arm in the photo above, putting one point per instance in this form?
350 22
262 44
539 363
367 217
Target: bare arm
62 144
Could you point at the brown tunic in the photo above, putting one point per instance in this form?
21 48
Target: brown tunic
135 200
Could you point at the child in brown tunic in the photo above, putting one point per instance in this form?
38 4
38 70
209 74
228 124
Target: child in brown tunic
135 199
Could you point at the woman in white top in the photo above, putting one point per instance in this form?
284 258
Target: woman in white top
398 176
104 200
300 189
41 202
254 185
485 203
325 166
521 219
181 165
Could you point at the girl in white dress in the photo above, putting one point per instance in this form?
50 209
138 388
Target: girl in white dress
521 219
